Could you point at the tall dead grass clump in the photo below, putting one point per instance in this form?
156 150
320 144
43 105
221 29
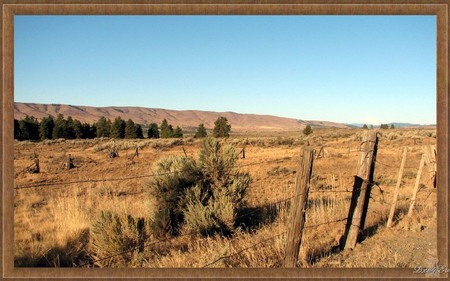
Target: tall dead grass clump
112 234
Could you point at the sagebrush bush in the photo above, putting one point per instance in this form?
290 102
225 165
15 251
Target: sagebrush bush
201 195
176 175
112 234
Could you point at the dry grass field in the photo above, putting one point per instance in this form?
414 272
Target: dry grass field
53 223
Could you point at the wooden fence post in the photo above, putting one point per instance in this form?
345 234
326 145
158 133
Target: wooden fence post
361 189
430 161
298 208
416 186
397 187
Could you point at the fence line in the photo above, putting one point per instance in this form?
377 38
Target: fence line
325 223
243 250
280 160
145 245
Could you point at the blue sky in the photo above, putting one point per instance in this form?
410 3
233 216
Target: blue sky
350 69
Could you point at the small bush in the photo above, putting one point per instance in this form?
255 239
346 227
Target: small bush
203 196
112 234
166 192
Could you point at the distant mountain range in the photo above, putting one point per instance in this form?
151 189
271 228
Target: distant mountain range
396 125
186 119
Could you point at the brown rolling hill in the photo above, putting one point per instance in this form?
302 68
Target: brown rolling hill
186 119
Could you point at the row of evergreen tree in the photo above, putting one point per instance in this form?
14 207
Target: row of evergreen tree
29 128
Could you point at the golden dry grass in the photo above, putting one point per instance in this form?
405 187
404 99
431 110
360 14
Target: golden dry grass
51 223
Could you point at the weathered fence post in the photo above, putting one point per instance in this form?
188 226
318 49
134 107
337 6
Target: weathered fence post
430 161
416 186
361 189
243 148
36 169
397 187
298 208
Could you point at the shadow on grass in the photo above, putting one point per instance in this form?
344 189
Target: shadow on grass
253 218
71 254
369 231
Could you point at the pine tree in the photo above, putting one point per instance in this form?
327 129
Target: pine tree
103 127
29 128
118 128
93 131
153 132
178 132
221 128
86 131
58 130
130 130
392 126
308 130
201 131
166 129
139 132
69 129
46 128
17 135
78 129
365 127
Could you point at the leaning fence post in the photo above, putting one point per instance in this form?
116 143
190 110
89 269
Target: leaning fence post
361 189
298 208
397 187
416 186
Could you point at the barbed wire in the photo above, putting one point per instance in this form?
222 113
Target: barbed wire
243 250
280 160
325 223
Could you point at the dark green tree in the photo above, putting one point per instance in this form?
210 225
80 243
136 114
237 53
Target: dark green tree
93 131
17 135
78 129
118 128
221 128
139 132
29 128
365 127
46 128
384 126
308 130
201 131
166 130
153 132
392 126
178 132
58 130
130 130
87 132
103 127
69 130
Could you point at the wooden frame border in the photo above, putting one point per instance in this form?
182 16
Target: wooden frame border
440 8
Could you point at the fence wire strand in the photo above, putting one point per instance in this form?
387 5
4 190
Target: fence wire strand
280 160
243 250
94 261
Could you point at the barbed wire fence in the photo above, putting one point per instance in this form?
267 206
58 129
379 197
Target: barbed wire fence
240 251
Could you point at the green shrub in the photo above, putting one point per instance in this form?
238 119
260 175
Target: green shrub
112 234
176 175
203 196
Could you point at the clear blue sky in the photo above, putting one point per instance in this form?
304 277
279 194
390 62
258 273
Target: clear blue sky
349 69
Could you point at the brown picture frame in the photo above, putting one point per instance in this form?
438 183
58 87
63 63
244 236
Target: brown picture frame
210 7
